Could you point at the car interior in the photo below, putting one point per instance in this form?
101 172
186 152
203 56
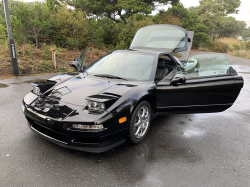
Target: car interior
164 67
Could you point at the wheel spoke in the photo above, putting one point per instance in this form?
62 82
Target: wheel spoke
138 123
138 130
140 116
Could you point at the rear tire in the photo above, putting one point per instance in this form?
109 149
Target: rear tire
140 122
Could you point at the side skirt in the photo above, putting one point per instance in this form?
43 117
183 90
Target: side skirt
191 109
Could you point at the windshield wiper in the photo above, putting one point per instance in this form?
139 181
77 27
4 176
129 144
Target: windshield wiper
110 76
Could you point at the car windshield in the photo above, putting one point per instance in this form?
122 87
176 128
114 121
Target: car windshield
127 65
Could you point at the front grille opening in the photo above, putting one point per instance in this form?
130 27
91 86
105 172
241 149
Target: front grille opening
79 139
49 132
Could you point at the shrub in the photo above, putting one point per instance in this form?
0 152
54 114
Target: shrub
248 45
236 47
46 52
220 47
27 51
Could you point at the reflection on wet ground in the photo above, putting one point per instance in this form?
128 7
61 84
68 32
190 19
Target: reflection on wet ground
3 85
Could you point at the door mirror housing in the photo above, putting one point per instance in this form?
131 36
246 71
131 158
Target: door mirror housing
76 65
178 79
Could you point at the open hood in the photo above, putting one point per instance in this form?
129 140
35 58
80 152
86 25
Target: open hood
163 37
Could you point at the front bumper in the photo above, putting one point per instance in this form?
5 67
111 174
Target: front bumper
85 140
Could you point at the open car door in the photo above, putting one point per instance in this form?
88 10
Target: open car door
165 38
210 85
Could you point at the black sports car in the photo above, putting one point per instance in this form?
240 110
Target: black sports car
97 108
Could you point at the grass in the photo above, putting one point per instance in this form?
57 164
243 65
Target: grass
231 46
233 43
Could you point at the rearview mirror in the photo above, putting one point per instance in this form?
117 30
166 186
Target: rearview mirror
76 65
179 78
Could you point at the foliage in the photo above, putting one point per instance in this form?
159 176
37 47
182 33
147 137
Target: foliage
70 28
46 52
109 24
230 27
246 33
220 47
212 12
126 32
248 45
30 22
27 51
233 43
3 32
189 21
117 11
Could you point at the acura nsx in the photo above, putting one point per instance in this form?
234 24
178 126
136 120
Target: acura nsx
98 108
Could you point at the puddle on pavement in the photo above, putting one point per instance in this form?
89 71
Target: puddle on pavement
35 81
3 85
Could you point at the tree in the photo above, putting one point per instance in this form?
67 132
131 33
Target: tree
69 28
190 21
212 12
117 10
246 33
230 27
29 22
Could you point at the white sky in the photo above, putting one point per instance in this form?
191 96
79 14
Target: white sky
243 15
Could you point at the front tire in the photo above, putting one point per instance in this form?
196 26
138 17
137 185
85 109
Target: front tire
140 122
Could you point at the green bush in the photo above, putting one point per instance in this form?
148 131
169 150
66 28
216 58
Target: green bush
46 52
248 45
236 47
3 32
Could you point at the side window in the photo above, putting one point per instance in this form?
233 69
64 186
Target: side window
165 66
204 65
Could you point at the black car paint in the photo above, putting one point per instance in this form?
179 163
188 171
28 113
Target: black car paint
56 124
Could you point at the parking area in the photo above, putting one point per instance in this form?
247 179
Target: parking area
179 150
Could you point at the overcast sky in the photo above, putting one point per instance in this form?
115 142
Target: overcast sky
243 15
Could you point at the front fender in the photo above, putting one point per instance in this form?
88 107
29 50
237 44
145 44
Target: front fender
125 106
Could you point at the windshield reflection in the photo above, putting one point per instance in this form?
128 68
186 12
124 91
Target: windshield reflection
205 65
128 65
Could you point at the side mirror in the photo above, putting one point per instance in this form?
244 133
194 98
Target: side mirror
178 79
76 65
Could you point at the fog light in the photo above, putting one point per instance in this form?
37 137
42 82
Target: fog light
80 126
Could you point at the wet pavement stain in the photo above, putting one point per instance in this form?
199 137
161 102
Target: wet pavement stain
3 85
35 81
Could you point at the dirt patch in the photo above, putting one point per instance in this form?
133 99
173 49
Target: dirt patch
37 64
3 85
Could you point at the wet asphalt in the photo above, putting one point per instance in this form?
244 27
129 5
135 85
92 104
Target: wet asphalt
179 150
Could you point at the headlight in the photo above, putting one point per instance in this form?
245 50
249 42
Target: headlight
36 90
96 106
96 127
